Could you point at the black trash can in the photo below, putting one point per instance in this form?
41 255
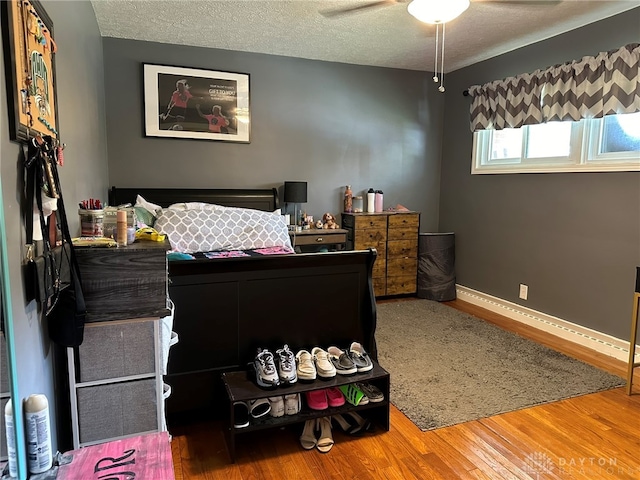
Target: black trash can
436 266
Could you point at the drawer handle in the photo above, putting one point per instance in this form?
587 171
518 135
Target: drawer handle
319 239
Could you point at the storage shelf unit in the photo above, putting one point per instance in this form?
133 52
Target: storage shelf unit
395 237
241 388
115 375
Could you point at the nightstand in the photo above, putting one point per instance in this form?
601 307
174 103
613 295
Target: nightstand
306 240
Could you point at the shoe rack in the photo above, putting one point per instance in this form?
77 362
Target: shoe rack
241 387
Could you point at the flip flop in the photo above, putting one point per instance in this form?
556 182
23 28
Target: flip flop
325 442
308 439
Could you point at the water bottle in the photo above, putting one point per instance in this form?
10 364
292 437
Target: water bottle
348 200
378 201
371 195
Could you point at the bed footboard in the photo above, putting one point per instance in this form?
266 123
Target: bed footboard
227 308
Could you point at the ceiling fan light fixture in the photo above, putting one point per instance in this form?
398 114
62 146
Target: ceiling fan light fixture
437 11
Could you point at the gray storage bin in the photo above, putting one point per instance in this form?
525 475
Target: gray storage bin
120 350
117 409
436 266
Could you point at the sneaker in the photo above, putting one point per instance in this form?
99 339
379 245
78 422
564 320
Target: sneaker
317 399
341 361
286 365
277 406
354 395
266 374
360 358
324 367
259 407
240 415
371 391
292 404
306 369
335 397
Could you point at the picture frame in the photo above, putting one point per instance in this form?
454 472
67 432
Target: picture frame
193 103
29 57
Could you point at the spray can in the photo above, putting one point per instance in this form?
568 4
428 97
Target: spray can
11 439
371 195
36 411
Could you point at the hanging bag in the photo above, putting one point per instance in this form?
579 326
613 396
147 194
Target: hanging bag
55 274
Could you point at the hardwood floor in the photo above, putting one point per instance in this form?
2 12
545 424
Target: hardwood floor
591 437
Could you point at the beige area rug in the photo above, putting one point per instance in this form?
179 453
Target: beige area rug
448 367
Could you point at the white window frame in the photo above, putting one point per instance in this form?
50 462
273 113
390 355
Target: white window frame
584 156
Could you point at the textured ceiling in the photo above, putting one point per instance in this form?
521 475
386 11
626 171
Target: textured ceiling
386 36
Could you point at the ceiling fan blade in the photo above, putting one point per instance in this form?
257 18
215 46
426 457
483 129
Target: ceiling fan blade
357 8
520 2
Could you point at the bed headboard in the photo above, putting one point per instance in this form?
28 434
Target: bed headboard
257 199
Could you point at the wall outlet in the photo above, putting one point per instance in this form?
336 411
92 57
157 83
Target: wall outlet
524 291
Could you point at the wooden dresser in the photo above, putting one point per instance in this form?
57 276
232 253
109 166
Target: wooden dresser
395 236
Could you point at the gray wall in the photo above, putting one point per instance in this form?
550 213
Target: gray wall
573 238
327 123
81 109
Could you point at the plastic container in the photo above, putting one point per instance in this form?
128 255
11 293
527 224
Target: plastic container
357 204
36 412
371 196
378 201
91 223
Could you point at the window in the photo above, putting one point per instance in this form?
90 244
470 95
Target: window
611 143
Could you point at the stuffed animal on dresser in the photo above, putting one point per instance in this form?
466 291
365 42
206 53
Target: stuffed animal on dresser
329 221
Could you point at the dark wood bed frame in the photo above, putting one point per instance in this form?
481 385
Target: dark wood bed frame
227 308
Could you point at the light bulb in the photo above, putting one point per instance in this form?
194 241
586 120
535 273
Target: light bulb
441 88
437 11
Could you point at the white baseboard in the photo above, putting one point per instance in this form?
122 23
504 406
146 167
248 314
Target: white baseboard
597 341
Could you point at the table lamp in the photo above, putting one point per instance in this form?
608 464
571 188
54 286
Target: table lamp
295 192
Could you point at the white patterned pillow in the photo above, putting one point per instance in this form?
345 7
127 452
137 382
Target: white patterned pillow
229 229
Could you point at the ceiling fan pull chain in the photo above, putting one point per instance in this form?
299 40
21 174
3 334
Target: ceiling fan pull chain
441 87
435 68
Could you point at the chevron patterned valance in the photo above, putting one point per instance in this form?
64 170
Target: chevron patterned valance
593 87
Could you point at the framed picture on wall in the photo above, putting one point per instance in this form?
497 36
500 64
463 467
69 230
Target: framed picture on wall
194 103
29 51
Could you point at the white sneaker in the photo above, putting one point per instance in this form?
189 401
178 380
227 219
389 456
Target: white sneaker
306 369
292 404
266 374
324 367
286 365
277 406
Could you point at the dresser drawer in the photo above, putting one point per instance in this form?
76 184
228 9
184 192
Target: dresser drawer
379 268
320 238
368 222
401 285
402 266
402 248
402 233
379 286
369 238
404 220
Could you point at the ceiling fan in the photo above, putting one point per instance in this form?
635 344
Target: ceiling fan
436 12
437 7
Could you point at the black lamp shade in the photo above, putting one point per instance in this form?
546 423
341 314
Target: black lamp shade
295 192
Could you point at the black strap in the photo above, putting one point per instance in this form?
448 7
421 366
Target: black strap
41 174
